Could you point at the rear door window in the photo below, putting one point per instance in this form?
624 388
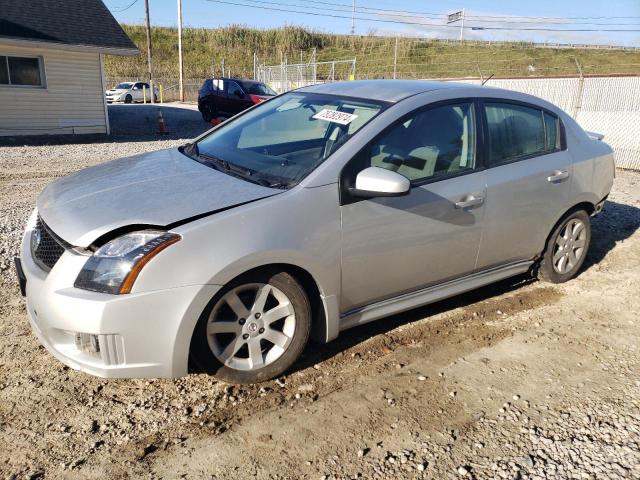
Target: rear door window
516 131
551 129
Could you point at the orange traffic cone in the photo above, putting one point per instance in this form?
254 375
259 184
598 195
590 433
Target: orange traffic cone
162 128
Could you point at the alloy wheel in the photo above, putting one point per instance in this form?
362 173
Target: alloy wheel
251 326
569 246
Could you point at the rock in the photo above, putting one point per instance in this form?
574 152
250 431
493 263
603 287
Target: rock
463 471
525 461
362 452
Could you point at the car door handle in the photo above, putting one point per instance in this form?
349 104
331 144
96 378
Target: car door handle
471 200
558 176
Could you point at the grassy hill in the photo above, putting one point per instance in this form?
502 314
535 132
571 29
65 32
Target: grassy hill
204 50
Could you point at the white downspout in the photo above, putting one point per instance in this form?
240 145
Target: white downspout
104 98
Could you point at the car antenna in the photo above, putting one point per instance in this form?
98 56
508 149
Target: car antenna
487 79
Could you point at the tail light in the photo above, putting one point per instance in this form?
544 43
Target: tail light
256 99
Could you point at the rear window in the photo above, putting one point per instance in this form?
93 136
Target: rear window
517 131
211 86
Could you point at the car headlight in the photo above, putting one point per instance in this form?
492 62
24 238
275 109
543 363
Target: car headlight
114 267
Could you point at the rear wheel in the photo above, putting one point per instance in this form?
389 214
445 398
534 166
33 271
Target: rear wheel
254 329
566 249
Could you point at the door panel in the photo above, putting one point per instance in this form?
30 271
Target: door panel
522 206
397 244
392 245
528 181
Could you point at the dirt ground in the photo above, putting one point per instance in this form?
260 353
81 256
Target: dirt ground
517 380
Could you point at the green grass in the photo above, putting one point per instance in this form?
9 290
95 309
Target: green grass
204 49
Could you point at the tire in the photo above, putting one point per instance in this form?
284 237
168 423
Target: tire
233 340
128 99
566 248
208 112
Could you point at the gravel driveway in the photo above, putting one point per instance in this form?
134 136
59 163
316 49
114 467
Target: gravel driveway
517 380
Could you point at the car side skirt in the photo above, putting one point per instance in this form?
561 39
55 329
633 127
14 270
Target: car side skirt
408 301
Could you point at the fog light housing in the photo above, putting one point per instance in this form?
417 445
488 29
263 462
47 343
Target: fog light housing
87 343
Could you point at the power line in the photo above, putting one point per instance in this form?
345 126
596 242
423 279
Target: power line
263 5
486 16
405 13
125 8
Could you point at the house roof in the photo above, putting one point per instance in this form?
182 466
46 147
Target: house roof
86 23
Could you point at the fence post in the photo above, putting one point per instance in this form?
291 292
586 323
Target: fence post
578 103
315 67
395 58
254 66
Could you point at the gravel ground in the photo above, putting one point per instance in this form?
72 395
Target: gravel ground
517 380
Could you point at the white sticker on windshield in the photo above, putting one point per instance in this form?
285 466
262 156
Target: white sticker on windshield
343 118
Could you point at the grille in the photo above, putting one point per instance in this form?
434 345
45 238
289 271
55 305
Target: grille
46 247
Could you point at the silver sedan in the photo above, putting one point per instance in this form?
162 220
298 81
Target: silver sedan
314 212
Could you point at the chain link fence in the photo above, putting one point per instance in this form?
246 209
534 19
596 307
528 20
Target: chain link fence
607 105
285 77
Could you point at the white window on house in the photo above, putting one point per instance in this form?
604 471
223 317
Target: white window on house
21 71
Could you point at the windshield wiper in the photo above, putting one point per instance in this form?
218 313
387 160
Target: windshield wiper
231 168
247 174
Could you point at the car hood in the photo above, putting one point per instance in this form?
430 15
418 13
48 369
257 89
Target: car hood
118 90
158 188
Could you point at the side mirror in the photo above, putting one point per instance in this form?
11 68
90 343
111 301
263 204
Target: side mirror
238 93
380 182
135 88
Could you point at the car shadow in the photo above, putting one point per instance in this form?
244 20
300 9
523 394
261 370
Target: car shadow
616 223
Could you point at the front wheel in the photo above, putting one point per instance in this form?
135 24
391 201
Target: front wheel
128 99
566 249
254 329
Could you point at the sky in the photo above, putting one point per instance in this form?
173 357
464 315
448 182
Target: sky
214 13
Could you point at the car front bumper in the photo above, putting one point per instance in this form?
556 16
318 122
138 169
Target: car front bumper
114 98
137 335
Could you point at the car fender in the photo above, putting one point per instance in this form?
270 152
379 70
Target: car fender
300 228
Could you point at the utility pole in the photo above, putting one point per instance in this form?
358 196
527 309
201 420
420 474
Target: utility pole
146 19
180 50
353 17
462 26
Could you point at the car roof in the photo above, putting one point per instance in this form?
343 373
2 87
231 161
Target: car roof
381 90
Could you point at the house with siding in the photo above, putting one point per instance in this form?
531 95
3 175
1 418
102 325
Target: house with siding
52 65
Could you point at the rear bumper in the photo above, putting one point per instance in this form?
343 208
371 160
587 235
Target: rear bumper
139 335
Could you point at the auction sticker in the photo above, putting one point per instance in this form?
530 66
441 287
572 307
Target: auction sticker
343 118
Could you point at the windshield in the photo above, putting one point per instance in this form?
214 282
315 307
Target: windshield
123 86
254 88
281 141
